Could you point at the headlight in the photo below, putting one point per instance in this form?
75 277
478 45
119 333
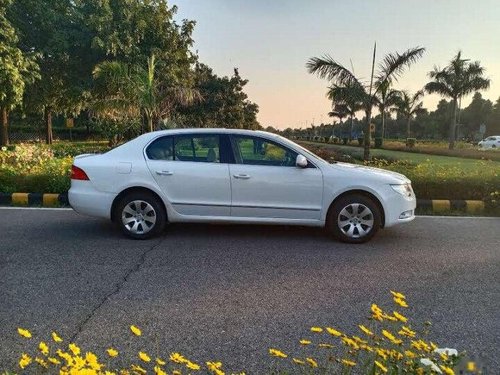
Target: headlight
404 189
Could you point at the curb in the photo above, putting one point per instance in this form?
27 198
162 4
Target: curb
34 199
444 205
61 200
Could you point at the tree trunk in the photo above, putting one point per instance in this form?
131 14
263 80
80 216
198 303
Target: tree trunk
366 153
150 123
382 134
352 125
451 134
48 126
408 129
4 139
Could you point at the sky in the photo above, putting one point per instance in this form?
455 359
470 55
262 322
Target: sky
271 41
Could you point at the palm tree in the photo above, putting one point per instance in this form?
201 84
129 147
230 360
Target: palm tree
460 78
385 99
390 68
408 106
122 90
349 98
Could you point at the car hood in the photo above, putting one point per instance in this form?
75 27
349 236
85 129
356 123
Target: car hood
379 174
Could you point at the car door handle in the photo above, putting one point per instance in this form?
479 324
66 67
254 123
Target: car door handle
164 173
242 176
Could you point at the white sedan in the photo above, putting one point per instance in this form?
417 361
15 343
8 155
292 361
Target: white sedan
235 176
490 142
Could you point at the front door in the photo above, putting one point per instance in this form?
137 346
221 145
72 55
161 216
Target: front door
189 171
266 183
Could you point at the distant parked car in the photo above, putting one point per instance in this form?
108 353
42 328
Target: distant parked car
235 176
490 142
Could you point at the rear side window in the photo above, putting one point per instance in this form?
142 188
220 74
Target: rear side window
161 149
197 148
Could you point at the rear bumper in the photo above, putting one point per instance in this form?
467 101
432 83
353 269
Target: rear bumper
86 200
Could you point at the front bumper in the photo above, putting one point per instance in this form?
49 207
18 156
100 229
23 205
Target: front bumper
395 205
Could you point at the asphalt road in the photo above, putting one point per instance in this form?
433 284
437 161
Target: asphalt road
230 292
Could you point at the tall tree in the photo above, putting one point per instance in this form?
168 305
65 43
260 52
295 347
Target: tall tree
385 99
408 106
349 99
474 115
390 68
17 69
457 80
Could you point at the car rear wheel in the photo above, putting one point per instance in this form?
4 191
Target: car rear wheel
140 215
354 219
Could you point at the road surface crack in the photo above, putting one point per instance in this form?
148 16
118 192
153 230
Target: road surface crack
117 288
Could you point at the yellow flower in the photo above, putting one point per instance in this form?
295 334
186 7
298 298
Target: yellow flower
177 372
405 331
447 370
410 354
277 353
138 369
135 330
177 358
56 337
24 333
192 366
144 357
304 342
298 361
74 349
471 366
25 360
41 362
400 302
350 342
212 366
400 317
159 371
333 331
316 329
161 362
112 352
44 348
312 362
54 361
365 330
327 346
398 295
348 363
391 337
381 366
92 361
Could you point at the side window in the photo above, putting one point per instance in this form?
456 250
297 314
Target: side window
161 149
258 151
197 148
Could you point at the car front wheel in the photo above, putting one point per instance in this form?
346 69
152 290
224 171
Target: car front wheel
354 219
140 215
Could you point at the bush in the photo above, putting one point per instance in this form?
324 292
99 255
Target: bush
345 140
411 142
361 141
379 142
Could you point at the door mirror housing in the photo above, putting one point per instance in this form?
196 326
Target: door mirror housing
301 161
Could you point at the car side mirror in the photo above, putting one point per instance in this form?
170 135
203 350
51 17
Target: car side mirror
301 161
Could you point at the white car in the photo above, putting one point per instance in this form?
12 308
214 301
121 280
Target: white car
490 142
235 176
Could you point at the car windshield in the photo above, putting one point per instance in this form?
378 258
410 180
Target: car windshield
304 151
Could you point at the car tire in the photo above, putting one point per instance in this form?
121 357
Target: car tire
140 215
354 218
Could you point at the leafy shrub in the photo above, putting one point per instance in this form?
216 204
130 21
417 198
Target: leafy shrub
378 142
361 141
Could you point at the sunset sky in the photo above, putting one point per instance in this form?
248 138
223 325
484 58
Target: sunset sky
271 40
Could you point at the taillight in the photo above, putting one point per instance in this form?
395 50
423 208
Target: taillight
78 173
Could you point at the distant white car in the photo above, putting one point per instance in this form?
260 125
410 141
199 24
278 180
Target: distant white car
490 142
235 176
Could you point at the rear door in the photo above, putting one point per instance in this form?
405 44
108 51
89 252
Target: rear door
266 183
192 172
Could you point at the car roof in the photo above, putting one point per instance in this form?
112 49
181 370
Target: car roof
157 133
